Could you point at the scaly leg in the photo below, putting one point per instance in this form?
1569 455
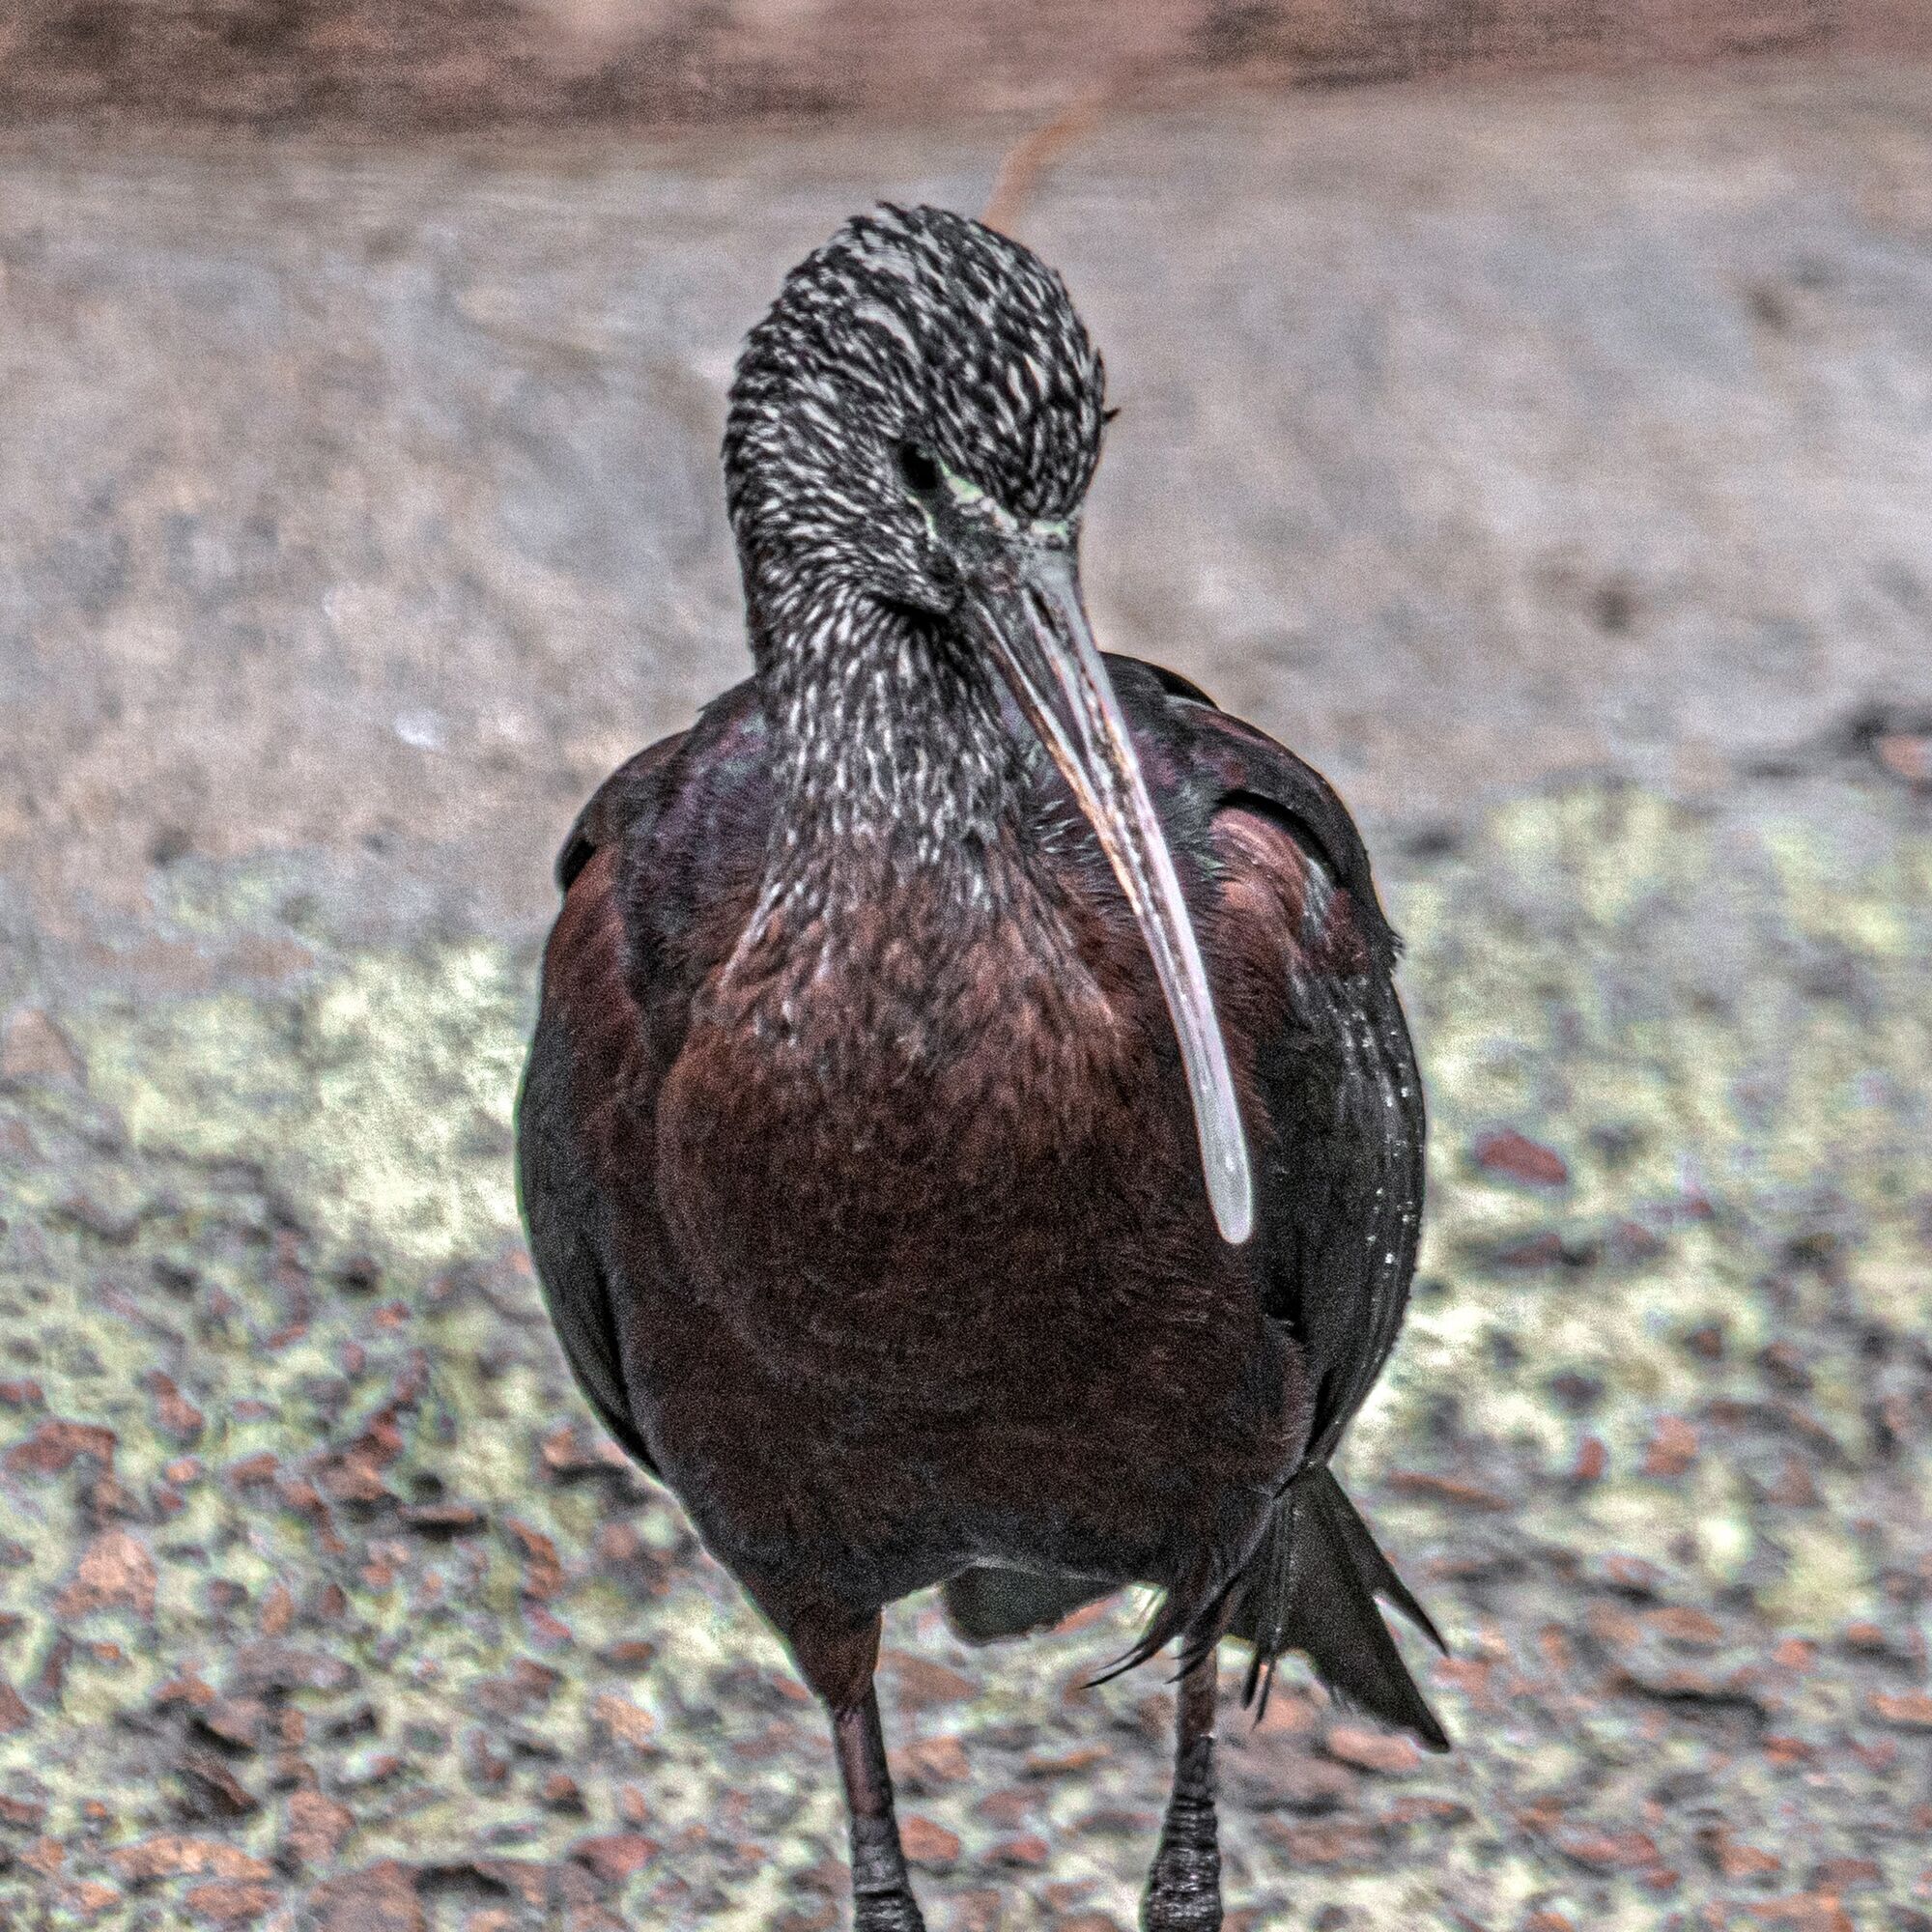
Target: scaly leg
1183 1891
882 1899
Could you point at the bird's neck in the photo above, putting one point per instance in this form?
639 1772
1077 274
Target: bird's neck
889 754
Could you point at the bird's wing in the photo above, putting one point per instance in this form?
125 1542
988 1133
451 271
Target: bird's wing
1304 960
615 998
582 1062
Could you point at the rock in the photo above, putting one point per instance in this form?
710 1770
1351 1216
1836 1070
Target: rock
221 1903
928 1846
1907 1710
1029 1852
1447 1489
173 1855
174 1414
443 1518
33 1047
317 1826
543 1571
1504 1152
1672 1448
215 1787
115 1572
1607 1850
615 1856
627 1723
54 1446
233 1722
527 1686
931 1764
570 1450
563 1793
919 1684
14 1715
273 1665
380 1898
1387 1752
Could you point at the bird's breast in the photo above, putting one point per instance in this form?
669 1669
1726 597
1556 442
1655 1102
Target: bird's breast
887 1108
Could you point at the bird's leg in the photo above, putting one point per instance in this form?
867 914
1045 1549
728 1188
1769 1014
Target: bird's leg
882 1899
1183 1891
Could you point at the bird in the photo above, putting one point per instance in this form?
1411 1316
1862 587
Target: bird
970 1138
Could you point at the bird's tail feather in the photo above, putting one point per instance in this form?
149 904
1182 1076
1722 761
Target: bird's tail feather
1312 1586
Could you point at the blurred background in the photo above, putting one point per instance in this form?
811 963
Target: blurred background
1525 416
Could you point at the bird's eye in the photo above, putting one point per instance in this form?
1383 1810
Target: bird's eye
918 472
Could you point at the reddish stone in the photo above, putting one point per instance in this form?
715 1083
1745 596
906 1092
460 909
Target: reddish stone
630 1656
25 1815
563 1793
223 1904
445 1519
919 1683
930 1847
115 1572
220 1789
627 1723
174 1414
1593 1461
1066 1763
543 1573
1607 1850
381 1898
1513 1156
1808 1912
1672 1449
171 1855
1027 1851
317 1825
250 1470
278 1610
287 1667
33 1048
90 1897
1909 1710
1677 1623
1846 1874
53 1448
1532 1251
616 1856
1906 754
1447 1489
235 1721
1329 1844
1387 1752
569 1450
14 1713
1734 1859
22 1394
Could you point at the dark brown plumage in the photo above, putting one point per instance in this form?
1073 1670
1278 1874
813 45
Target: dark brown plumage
861 1161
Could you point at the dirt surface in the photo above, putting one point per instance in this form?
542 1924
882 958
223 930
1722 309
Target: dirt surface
1549 467
395 69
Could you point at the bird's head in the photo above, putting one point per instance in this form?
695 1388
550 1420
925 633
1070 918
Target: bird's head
913 427
920 377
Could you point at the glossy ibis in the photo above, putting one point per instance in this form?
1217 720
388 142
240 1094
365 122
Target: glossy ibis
971 1137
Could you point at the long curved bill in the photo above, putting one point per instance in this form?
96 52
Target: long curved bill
1031 604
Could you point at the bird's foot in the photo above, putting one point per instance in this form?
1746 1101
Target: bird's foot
1184 1892
895 1911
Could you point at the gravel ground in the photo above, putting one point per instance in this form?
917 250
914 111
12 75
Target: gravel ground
1564 495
